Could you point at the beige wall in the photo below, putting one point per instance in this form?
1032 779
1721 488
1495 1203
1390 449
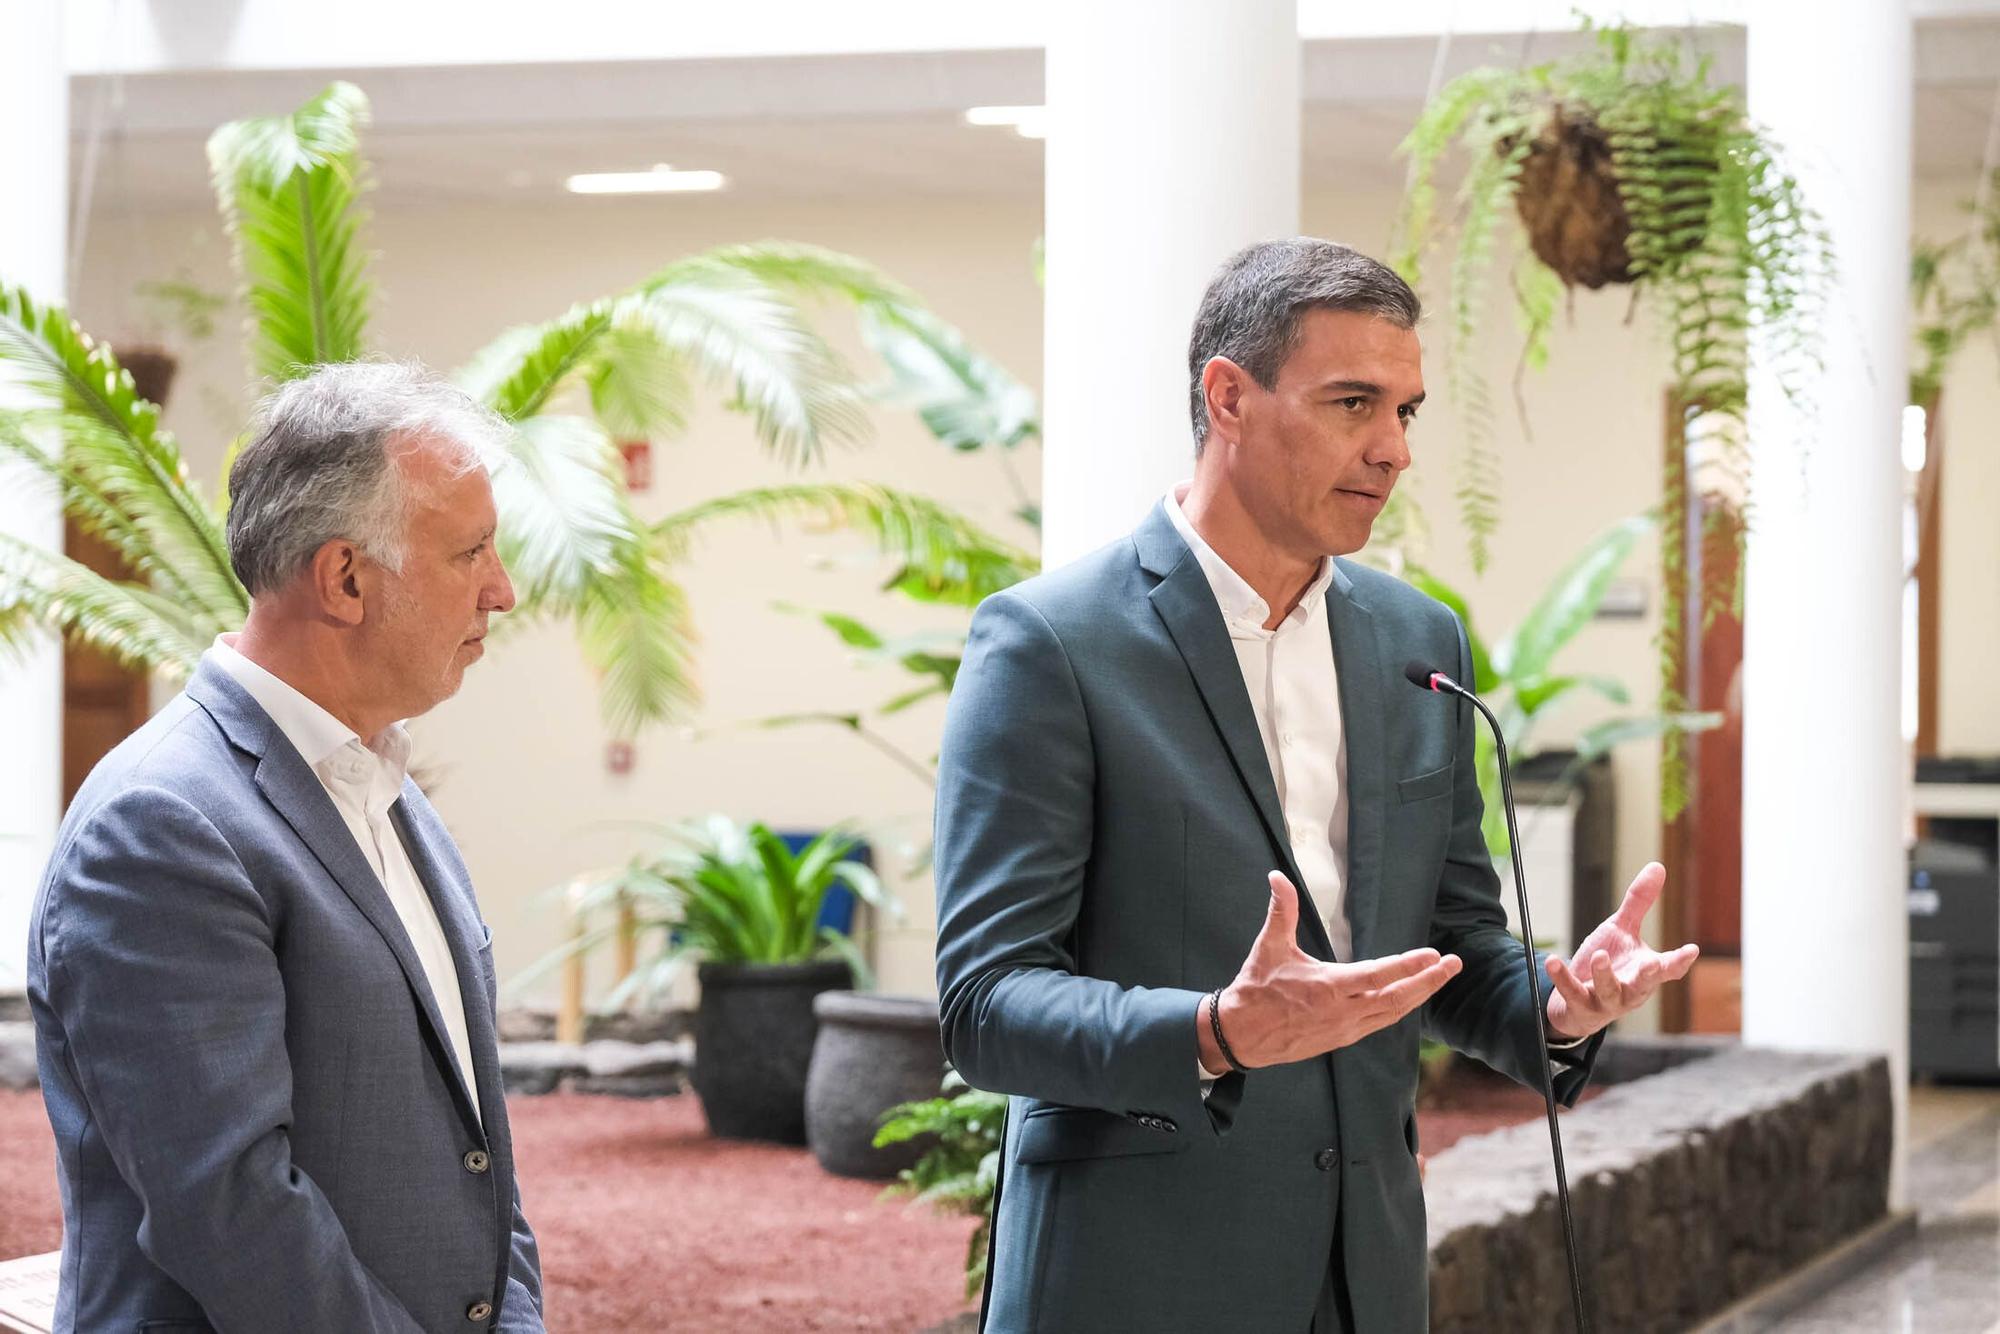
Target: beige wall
525 786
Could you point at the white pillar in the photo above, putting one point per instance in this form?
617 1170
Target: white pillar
1825 937
34 161
1173 142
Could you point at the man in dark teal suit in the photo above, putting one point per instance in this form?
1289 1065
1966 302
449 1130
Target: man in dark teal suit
1208 866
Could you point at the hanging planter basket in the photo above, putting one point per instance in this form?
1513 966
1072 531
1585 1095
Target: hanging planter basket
1569 202
1572 205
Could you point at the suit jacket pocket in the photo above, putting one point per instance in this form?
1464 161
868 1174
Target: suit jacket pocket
1064 1134
1423 787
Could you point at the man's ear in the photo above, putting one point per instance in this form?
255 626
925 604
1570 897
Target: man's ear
335 575
1223 386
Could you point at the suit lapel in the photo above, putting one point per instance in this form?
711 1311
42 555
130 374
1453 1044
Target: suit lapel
1186 606
423 835
297 794
1357 661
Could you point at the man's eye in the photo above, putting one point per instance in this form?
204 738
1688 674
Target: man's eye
474 553
1407 413
1354 404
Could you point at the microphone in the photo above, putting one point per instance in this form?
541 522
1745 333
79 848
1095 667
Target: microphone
1430 678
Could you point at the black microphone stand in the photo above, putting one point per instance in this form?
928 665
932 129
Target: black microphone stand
1442 684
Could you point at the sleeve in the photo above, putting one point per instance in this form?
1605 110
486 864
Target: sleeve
1016 780
163 974
1488 1010
521 1310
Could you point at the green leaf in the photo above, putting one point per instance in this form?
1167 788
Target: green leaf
1599 739
564 522
1535 695
290 190
131 624
1569 603
746 336
126 479
636 631
965 399
944 556
519 372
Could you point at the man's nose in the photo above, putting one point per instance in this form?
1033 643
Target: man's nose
1390 449
498 594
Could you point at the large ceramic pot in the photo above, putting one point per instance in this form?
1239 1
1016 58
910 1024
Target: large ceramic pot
753 1042
873 1053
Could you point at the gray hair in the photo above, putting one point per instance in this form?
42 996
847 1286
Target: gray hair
1251 310
319 464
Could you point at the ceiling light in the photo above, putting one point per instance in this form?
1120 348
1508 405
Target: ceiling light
662 179
1028 122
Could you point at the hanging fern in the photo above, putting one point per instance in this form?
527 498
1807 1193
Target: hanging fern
1625 166
1955 289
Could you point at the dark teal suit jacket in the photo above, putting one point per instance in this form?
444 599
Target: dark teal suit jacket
1106 818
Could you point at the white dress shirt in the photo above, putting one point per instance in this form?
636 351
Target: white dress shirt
1289 673
364 783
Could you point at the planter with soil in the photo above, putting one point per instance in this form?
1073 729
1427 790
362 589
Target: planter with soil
873 1053
753 1043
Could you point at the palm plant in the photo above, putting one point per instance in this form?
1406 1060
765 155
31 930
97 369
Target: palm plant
1519 677
623 366
721 893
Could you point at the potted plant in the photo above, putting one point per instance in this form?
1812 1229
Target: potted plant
1519 677
873 1053
746 907
1624 166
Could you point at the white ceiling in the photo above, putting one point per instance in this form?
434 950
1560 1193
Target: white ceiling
831 128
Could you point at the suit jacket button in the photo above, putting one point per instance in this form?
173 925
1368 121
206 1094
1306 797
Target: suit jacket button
477 1161
1325 1160
479 1312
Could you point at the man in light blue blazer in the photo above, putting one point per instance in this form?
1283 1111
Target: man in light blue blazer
1207 864
262 992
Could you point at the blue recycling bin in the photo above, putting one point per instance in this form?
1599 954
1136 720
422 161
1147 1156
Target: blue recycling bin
837 909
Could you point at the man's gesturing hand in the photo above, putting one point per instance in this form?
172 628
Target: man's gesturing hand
1613 971
1286 1005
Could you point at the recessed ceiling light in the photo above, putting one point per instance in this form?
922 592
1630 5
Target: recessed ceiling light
662 179
1028 122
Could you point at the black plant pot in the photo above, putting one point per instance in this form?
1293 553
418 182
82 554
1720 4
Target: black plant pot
753 1041
873 1053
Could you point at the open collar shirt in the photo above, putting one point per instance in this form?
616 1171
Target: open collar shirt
364 782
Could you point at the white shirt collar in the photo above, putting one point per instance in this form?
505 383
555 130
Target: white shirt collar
325 743
1241 604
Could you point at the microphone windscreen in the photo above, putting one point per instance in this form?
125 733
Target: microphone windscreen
1420 674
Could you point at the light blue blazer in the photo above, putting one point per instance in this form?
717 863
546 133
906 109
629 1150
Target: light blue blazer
259 1124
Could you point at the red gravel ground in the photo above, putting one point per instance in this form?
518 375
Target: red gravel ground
647 1223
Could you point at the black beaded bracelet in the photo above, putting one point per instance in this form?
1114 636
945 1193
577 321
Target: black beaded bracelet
1215 1026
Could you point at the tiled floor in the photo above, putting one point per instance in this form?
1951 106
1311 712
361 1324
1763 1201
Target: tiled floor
1946 1280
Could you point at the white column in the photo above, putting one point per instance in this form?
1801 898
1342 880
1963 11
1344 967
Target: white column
1825 937
1173 141
34 161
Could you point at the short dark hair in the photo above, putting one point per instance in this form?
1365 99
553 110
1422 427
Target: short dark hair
1251 310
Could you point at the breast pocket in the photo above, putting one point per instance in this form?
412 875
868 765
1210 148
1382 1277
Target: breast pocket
1424 787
